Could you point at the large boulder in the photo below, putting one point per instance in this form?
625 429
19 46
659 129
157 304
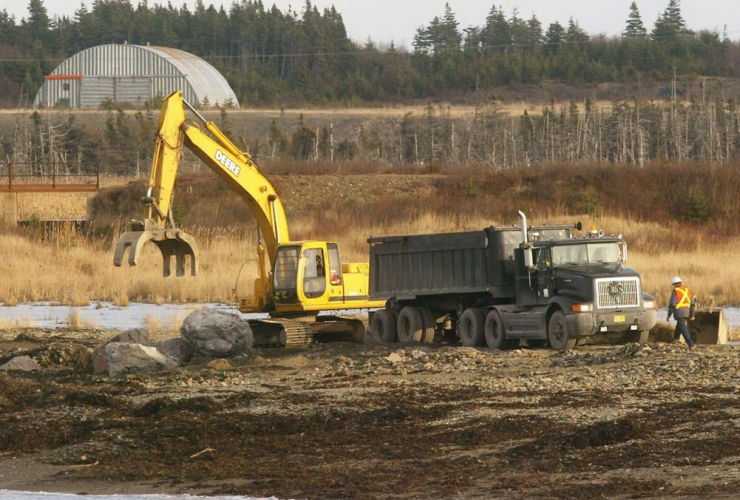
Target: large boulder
21 364
178 348
126 358
133 336
100 356
216 333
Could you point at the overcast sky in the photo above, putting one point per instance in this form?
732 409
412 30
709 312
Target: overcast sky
386 20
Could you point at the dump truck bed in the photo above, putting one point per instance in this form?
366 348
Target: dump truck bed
406 267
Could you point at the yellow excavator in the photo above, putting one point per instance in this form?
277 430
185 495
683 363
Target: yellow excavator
305 278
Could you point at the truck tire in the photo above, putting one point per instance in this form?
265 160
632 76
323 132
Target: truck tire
494 332
557 332
430 325
410 326
383 326
470 327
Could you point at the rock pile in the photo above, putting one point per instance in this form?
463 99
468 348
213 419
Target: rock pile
205 333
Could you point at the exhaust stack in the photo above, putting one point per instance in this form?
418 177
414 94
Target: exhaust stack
525 239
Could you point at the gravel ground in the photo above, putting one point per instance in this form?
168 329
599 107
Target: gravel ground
362 422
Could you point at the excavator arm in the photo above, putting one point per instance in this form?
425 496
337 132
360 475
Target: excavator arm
232 165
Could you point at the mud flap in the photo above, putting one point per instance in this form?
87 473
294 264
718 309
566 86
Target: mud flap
171 242
709 326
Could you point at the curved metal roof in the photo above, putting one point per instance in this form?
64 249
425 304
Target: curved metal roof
206 80
166 69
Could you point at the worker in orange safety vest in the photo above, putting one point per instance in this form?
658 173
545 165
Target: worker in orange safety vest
681 307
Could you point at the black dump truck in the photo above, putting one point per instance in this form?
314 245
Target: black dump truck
501 285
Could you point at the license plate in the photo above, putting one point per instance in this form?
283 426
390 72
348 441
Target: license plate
620 318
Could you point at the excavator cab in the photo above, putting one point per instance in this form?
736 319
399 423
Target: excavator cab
308 273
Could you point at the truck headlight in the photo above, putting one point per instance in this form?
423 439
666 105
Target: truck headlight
648 304
582 308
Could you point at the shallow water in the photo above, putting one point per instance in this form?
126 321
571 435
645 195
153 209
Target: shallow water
105 314
108 316
23 495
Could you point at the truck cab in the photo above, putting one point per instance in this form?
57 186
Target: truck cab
587 280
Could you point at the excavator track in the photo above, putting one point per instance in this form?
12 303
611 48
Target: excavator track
349 327
361 325
281 332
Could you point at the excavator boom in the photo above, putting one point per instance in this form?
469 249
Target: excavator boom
231 164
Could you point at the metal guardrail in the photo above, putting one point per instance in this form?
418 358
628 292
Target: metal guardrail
15 182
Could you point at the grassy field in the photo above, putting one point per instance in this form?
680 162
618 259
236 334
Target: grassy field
73 268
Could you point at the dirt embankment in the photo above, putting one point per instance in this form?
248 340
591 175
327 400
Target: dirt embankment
356 421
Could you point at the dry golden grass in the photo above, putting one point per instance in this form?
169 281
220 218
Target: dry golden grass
515 108
452 110
161 329
10 324
52 206
77 270
74 320
81 271
62 206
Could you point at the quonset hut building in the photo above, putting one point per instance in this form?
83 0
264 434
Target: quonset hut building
132 74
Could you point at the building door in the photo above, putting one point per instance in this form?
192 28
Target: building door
96 89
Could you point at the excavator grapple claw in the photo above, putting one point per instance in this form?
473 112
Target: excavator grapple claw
171 242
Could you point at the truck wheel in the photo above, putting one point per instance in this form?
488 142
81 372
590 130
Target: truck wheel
410 325
494 332
383 326
470 327
430 325
557 332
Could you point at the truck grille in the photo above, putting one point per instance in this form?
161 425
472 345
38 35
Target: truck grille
614 293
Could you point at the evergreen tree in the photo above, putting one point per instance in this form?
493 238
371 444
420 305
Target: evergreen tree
472 40
450 35
37 23
555 35
496 35
575 33
422 41
441 37
670 24
255 48
519 29
634 28
534 31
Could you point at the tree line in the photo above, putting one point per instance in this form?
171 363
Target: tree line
277 58
704 130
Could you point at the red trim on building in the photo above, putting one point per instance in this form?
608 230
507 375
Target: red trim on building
63 77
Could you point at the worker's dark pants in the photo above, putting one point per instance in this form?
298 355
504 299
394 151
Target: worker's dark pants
683 329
